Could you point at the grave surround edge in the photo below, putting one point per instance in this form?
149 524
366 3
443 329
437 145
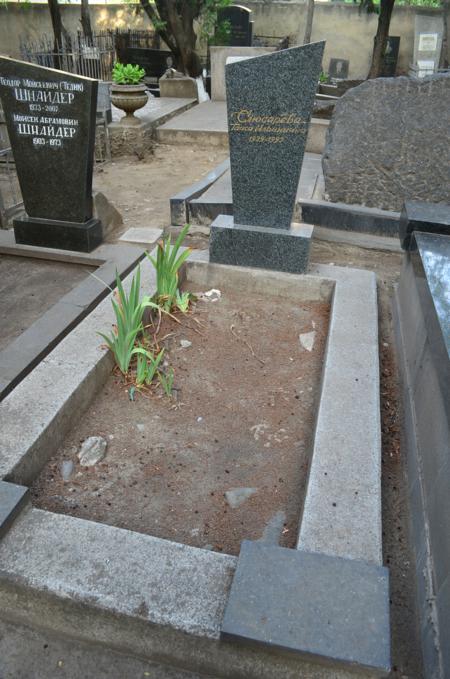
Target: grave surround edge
98 605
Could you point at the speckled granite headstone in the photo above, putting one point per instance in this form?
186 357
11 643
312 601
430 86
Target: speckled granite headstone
388 142
270 100
50 117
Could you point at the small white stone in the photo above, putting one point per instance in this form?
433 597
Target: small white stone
92 450
185 344
307 340
140 426
236 496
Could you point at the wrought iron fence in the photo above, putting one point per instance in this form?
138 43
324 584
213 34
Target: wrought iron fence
93 57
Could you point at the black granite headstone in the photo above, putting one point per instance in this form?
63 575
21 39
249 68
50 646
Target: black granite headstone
338 69
240 25
426 217
390 57
270 99
154 62
50 117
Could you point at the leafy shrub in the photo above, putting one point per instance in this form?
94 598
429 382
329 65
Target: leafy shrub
127 75
167 265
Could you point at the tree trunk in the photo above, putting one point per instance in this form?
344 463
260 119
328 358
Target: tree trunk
379 48
86 22
309 21
177 31
445 52
55 15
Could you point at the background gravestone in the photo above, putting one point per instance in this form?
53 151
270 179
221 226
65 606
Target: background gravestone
269 102
389 141
240 25
338 68
50 116
428 30
390 57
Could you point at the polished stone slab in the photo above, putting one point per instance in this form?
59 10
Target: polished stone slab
12 500
333 609
262 247
270 100
420 216
51 121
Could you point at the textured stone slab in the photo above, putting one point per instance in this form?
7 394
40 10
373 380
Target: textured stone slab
342 508
388 142
50 117
326 607
12 499
421 216
269 102
261 247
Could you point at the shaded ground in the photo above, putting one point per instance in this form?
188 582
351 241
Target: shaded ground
243 419
29 287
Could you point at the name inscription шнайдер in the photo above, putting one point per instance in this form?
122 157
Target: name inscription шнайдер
268 129
46 97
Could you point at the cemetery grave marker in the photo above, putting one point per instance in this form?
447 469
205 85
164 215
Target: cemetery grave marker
240 25
270 101
338 68
391 56
50 117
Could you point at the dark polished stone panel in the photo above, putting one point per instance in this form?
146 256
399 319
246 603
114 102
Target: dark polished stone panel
50 117
431 262
49 233
325 607
260 247
270 100
420 216
240 25
12 499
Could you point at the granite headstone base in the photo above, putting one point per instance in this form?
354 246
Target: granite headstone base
259 246
320 607
49 233
420 216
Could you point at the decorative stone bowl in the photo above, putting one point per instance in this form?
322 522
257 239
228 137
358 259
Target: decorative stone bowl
129 98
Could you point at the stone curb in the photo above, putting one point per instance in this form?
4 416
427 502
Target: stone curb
152 597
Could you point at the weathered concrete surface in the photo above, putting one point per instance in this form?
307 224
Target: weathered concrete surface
342 509
389 141
65 380
27 653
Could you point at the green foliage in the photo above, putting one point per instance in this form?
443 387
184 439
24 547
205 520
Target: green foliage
323 77
128 310
182 301
127 75
167 265
166 381
147 366
212 31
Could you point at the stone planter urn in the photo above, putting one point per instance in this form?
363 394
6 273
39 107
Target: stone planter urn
129 98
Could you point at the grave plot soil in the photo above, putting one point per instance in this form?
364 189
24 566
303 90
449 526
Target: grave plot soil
247 393
29 287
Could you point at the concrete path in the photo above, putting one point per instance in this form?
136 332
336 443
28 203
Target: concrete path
27 653
157 109
207 124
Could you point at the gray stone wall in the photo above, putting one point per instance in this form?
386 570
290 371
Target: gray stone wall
388 141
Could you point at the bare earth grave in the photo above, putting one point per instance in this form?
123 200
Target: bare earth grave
228 461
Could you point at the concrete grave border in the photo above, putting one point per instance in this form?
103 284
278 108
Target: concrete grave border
166 601
25 352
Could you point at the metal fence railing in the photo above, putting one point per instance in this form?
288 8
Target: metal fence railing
90 57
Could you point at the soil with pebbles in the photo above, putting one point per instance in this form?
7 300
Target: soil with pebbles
247 392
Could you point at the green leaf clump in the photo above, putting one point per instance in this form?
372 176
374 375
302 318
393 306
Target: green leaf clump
127 74
167 265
